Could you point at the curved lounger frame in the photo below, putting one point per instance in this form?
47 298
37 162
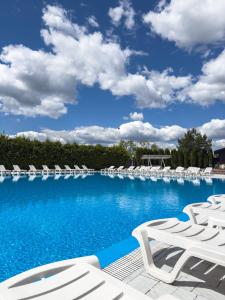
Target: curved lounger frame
198 241
70 280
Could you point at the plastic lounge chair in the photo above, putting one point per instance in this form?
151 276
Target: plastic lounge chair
85 168
200 213
207 171
70 279
179 171
118 170
59 170
46 170
78 169
69 170
128 170
107 169
3 170
197 241
33 171
216 198
16 170
165 171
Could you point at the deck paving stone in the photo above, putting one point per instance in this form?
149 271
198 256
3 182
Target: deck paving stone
198 280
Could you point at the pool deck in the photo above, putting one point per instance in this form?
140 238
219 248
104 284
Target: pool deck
199 280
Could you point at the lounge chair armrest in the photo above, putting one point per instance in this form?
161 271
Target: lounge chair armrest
45 271
167 297
216 222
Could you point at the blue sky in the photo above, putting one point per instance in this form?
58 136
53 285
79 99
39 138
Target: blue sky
92 72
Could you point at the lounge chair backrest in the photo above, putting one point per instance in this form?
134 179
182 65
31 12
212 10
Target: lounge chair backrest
120 168
77 167
32 168
57 167
2 168
208 170
67 167
179 169
16 168
45 167
84 167
130 168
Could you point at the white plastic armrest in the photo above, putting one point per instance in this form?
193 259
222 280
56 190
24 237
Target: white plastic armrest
217 222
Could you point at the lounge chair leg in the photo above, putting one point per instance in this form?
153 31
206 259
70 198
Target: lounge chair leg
149 265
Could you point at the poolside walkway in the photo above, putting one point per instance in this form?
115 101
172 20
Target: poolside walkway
199 280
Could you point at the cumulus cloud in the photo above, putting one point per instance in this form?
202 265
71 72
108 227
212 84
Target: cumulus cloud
214 129
189 23
138 131
93 22
43 83
123 11
210 85
219 144
135 116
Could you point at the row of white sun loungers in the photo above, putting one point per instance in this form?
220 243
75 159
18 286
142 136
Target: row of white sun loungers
45 170
157 170
82 277
202 237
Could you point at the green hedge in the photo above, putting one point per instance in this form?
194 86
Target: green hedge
23 152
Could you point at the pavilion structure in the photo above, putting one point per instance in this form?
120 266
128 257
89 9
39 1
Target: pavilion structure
159 157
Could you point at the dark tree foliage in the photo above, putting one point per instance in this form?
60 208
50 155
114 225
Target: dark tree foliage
194 140
23 152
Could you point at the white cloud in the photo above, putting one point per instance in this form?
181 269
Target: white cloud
43 83
219 144
136 130
211 84
189 23
135 116
93 22
139 131
214 129
124 10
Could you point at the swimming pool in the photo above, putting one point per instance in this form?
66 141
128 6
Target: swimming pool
42 221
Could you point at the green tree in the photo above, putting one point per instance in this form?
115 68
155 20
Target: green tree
194 140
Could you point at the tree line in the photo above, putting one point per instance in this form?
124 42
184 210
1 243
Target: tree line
193 149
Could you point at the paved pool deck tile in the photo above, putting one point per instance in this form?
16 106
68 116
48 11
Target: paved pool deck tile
198 280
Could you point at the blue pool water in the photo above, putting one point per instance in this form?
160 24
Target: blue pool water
50 220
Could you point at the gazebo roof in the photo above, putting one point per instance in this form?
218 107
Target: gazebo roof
152 156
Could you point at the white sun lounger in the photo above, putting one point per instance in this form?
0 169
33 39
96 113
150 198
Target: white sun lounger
207 171
69 170
200 213
78 169
179 171
216 198
165 171
17 171
59 170
46 170
128 170
3 170
197 241
70 280
86 169
109 169
33 171
119 169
